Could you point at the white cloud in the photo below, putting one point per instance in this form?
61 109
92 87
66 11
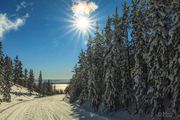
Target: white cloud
83 7
6 24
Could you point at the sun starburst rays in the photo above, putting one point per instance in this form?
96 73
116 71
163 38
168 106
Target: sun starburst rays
82 25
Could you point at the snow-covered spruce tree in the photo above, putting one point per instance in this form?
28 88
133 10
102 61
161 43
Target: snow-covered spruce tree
74 90
25 78
140 69
110 94
8 77
15 72
97 68
18 71
158 54
78 83
92 92
1 70
83 76
115 69
174 65
40 83
30 81
127 82
119 50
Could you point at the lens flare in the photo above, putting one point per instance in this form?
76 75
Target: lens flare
82 20
82 23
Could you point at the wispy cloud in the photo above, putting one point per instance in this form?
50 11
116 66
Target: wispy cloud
22 5
6 24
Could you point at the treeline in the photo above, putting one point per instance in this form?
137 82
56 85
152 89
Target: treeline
13 73
134 63
46 88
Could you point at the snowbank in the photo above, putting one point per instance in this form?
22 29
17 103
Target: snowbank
18 94
120 115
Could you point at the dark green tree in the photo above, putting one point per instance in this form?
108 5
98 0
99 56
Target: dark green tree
109 72
49 88
40 83
18 71
140 70
8 77
96 81
25 77
1 70
30 81
174 55
44 88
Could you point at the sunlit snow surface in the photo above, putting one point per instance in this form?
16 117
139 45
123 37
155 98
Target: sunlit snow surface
25 107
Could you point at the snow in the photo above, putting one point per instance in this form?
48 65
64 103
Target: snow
24 107
18 94
47 108
119 115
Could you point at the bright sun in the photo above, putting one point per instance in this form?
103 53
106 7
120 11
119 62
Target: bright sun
83 23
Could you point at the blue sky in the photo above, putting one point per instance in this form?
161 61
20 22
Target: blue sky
41 33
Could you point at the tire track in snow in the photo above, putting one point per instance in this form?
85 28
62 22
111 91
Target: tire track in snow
14 105
15 109
47 108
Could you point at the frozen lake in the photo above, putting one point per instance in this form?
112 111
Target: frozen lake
60 86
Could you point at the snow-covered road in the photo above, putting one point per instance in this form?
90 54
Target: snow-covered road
47 108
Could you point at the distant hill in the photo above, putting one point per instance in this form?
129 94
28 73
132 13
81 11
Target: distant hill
58 81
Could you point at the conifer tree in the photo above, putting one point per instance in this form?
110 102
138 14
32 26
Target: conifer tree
44 88
118 51
174 64
158 61
113 78
83 76
127 82
97 67
30 81
79 80
140 68
16 77
8 77
1 70
25 77
18 73
151 65
74 93
49 88
92 93
89 65
109 94
40 83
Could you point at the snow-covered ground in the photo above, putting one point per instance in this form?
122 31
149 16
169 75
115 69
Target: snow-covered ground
120 115
18 94
25 107
47 108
